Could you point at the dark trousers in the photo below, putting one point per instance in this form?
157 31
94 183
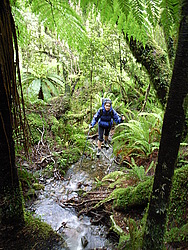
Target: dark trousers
103 131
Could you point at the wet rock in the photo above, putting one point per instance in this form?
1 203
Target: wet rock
84 241
41 179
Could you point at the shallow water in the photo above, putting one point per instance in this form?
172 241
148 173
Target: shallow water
78 233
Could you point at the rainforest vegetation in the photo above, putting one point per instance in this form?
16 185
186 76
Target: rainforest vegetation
58 59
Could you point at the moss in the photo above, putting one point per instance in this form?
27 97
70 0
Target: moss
125 198
55 126
35 224
155 62
141 193
119 182
115 179
130 197
178 234
121 196
177 215
36 124
35 235
38 186
11 209
113 176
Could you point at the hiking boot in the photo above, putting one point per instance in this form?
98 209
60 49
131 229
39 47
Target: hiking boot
106 144
98 152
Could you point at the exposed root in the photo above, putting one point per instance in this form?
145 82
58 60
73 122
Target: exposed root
91 204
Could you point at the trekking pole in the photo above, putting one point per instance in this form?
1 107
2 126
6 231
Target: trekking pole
85 146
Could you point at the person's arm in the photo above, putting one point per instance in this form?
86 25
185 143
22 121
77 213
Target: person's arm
117 118
95 118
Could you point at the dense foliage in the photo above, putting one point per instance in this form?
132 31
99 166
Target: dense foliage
72 55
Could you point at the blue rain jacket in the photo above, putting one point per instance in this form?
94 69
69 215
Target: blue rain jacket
106 119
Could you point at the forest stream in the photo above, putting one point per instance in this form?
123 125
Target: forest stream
50 205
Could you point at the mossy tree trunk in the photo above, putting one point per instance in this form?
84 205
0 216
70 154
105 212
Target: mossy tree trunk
11 210
156 64
174 119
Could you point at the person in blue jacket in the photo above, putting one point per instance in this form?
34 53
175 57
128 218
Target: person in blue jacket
105 117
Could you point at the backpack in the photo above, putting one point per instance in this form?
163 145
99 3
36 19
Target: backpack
103 102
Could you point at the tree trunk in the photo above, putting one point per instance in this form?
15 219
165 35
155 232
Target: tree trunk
11 210
171 136
156 65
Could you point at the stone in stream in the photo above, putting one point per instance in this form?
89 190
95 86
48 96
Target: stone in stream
84 241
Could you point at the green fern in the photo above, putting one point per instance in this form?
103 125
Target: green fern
170 16
138 18
139 136
60 17
133 17
21 25
153 10
139 172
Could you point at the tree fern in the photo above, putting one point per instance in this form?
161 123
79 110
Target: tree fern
137 8
174 8
61 18
153 10
125 6
51 85
138 17
170 16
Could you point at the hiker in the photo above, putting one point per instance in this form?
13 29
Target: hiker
105 116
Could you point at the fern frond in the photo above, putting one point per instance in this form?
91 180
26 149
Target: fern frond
153 10
174 6
125 6
140 135
56 79
170 15
52 89
137 8
60 17
22 30
167 21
